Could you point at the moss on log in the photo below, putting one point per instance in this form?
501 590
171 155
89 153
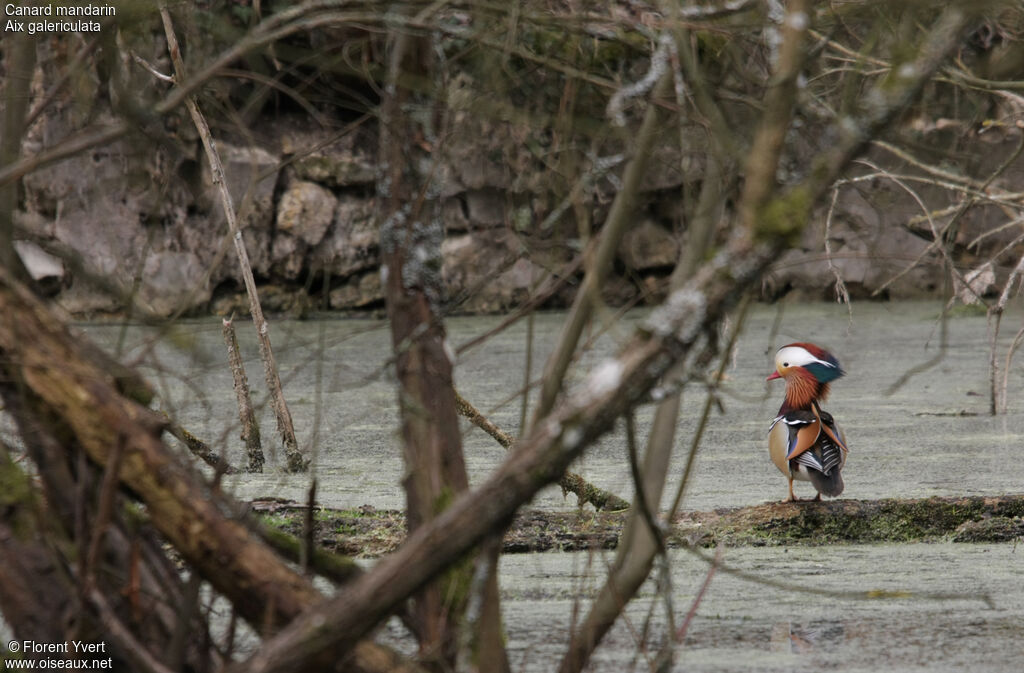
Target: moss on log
367 532
967 519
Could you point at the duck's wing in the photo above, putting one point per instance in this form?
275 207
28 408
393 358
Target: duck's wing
827 451
823 457
792 434
828 425
825 461
804 428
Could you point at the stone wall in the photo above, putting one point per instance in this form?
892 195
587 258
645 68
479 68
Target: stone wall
146 215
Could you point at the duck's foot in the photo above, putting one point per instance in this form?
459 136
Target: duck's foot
793 498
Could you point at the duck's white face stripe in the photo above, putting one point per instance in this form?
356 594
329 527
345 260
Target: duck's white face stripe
796 356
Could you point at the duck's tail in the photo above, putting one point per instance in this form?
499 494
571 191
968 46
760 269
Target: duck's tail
828 484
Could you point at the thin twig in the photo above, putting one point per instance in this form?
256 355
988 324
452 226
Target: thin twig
927 167
524 406
925 366
65 76
644 507
842 294
698 435
200 449
479 420
996 317
938 237
997 312
598 267
108 491
308 532
152 69
1017 339
658 534
565 274
188 610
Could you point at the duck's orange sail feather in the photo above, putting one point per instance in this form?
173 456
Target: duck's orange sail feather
805 438
835 438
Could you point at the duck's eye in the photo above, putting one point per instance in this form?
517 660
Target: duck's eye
785 364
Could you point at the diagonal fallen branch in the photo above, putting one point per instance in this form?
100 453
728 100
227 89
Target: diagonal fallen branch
571 482
199 448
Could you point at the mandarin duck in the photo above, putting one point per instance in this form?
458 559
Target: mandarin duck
804 441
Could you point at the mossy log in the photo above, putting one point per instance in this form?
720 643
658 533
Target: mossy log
965 519
371 533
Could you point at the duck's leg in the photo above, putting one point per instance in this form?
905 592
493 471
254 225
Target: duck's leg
817 498
792 496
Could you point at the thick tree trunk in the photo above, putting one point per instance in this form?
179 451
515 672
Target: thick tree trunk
411 234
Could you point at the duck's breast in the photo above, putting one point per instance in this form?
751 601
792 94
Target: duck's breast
778 446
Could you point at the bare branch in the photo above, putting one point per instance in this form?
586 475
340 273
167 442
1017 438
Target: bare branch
199 448
570 482
296 462
246 415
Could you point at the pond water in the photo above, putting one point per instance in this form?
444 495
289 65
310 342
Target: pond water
744 626
932 436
